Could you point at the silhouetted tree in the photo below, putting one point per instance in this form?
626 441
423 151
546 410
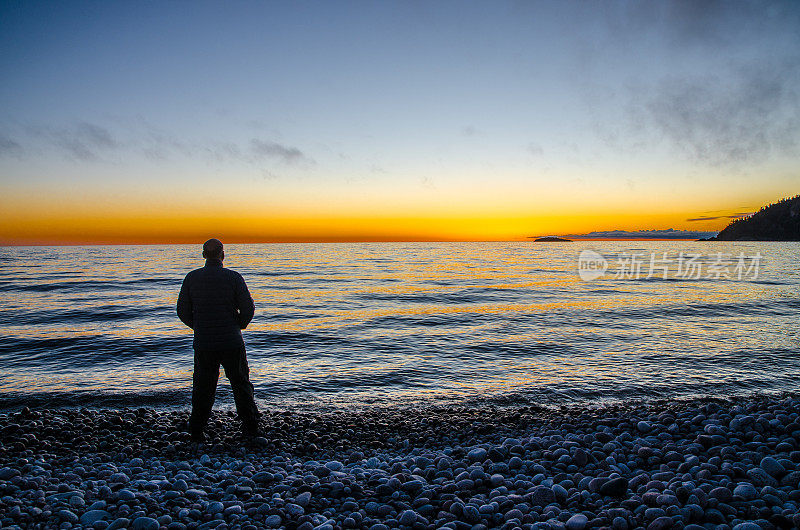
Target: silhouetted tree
775 222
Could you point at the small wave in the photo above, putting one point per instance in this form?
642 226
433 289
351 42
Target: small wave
86 285
76 399
75 316
89 351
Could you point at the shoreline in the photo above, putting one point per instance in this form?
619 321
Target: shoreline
686 464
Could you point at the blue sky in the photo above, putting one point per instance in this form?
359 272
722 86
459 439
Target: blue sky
423 109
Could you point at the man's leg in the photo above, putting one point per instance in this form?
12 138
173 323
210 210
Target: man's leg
238 373
204 388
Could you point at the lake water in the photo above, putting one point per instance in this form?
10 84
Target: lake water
354 324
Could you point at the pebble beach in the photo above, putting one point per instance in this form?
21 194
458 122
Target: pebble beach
695 464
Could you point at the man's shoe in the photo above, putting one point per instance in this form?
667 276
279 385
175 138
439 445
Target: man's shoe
198 437
251 431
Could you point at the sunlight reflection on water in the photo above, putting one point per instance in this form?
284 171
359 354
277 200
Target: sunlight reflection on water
401 321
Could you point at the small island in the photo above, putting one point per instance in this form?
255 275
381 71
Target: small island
775 222
551 239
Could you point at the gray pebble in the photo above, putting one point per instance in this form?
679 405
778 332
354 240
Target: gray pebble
747 526
120 522
303 499
745 490
408 517
273 521
772 467
145 523
66 515
577 522
478 454
90 517
662 523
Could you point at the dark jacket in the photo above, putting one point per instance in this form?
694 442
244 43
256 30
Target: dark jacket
215 303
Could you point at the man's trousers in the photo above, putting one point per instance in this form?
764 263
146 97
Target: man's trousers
204 388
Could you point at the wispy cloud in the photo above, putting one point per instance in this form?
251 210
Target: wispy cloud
534 149
82 141
273 150
730 100
85 141
741 118
9 146
715 217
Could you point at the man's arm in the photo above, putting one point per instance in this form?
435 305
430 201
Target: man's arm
244 302
185 305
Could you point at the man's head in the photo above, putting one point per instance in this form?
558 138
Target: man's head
212 249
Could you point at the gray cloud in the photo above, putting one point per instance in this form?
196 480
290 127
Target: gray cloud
158 145
89 142
714 217
684 24
743 118
535 149
273 150
82 141
9 146
731 94
224 151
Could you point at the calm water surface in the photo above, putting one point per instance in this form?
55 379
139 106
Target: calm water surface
355 324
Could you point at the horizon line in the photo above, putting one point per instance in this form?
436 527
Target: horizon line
321 241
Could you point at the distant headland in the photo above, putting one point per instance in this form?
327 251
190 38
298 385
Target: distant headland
775 222
551 239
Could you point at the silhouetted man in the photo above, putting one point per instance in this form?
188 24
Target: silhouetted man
215 303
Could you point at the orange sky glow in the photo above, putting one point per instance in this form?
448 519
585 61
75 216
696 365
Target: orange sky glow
47 219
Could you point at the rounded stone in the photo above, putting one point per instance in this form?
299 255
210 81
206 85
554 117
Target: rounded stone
662 523
471 514
304 499
746 491
120 522
747 526
145 523
125 495
68 516
118 478
407 517
478 454
772 467
721 494
334 465
92 516
273 521
616 487
577 522
542 496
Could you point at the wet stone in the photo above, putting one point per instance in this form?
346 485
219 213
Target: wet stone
616 487
772 467
145 523
577 522
90 517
